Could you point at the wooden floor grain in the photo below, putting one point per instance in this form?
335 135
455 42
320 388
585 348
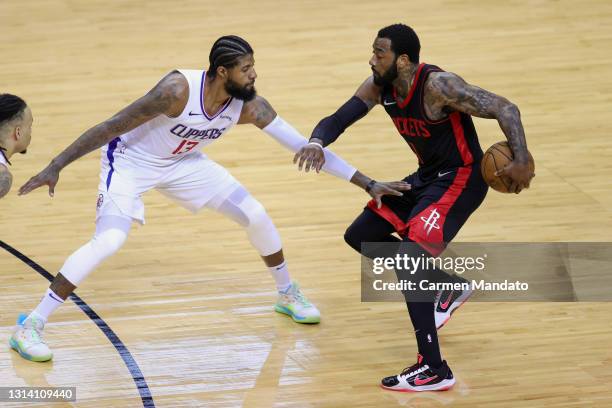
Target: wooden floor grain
187 294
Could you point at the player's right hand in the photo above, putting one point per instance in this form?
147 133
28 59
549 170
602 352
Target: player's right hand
311 154
49 176
382 188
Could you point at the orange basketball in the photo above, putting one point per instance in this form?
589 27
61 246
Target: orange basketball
496 158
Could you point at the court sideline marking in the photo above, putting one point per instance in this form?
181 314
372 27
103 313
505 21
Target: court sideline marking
126 356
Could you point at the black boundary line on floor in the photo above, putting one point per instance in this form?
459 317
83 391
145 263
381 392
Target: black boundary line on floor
126 356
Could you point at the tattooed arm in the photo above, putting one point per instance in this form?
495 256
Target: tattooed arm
446 91
258 112
168 97
6 180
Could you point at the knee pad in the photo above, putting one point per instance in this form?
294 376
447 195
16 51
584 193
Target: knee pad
261 230
111 234
256 214
108 242
241 207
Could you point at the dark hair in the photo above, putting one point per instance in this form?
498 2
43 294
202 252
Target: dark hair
403 41
226 51
11 106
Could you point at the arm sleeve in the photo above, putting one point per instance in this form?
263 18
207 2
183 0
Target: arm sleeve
329 128
290 138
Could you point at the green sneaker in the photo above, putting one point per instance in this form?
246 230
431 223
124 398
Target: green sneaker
27 339
292 302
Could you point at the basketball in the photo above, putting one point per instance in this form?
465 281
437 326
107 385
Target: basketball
496 158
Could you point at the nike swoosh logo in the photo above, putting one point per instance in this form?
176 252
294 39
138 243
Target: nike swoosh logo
444 305
418 381
389 103
444 174
54 298
195 114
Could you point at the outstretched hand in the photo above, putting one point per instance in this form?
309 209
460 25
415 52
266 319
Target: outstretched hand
312 155
49 176
381 188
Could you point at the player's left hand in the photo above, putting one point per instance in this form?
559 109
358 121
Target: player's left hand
49 176
312 155
520 173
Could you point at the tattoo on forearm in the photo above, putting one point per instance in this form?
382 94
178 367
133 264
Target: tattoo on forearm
6 180
510 123
449 90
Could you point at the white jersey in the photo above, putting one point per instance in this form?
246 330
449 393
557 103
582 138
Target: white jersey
165 139
2 159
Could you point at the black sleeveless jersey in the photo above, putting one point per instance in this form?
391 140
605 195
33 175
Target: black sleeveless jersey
439 145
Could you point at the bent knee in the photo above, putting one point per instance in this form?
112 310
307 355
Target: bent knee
257 215
108 242
352 238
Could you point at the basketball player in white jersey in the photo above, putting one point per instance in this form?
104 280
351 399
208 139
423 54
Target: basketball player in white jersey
15 135
154 144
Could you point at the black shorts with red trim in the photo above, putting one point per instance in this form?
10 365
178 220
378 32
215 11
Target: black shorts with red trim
435 209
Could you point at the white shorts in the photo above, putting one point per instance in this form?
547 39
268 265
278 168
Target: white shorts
191 181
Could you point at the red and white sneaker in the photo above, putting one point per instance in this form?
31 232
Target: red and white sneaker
420 377
447 301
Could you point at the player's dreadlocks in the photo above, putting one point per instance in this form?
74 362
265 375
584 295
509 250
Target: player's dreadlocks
226 51
403 41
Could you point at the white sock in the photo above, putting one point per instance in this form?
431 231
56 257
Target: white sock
281 276
49 302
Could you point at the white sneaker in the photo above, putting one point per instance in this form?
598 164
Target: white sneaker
292 302
27 339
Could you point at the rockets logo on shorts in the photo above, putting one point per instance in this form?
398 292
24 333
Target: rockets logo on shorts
430 222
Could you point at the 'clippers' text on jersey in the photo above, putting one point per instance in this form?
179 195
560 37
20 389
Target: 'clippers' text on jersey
167 138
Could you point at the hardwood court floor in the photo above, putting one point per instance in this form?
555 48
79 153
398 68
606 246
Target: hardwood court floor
190 298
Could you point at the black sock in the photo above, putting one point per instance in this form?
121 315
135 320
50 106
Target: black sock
422 316
421 304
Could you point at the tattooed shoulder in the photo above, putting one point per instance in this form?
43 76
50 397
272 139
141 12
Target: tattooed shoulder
258 112
6 180
170 94
448 90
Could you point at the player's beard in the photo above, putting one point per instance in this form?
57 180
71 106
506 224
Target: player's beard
243 93
387 78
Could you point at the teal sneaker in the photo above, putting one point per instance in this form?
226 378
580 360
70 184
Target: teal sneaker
292 302
27 339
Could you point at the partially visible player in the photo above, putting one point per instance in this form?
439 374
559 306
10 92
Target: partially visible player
431 109
154 144
15 135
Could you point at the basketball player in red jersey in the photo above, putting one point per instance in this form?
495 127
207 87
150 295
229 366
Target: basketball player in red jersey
431 109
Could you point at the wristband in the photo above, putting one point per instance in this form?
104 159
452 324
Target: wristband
370 185
316 144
